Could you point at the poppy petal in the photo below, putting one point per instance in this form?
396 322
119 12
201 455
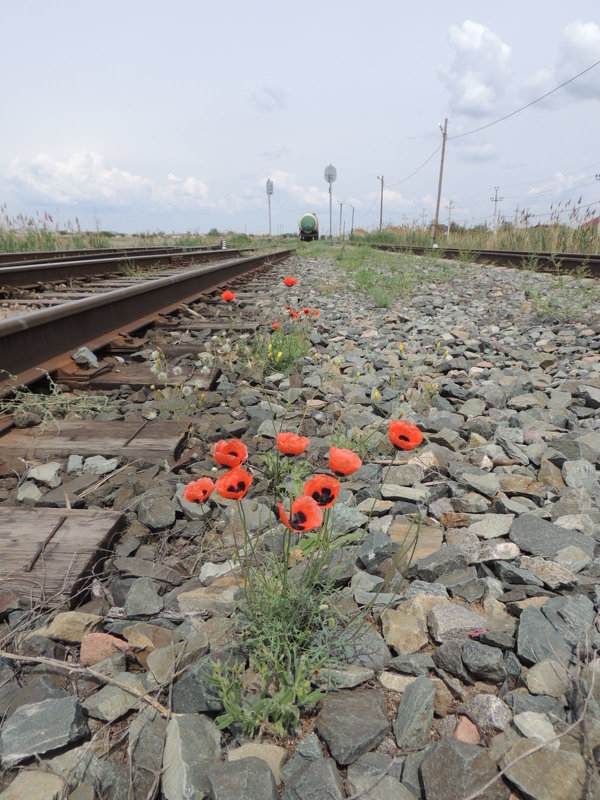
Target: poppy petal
342 461
323 489
198 491
305 515
230 452
404 434
291 444
234 484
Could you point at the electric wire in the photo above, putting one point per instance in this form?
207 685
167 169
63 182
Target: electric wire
526 106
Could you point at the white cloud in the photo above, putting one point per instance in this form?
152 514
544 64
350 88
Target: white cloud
475 76
286 182
268 98
579 48
85 178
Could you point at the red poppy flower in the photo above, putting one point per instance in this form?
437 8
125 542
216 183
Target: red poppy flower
305 310
234 484
323 489
294 314
290 444
306 515
198 491
230 452
343 462
290 281
315 312
404 434
228 296
275 326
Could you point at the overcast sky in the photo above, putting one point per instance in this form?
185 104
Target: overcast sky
139 115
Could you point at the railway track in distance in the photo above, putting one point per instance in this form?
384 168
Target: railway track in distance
46 337
29 257
521 259
64 266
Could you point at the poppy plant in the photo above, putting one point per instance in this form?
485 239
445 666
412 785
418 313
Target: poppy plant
227 296
230 452
198 491
342 461
290 444
275 325
404 434
305 516
294 314
323 489
289 281
305 310
234 484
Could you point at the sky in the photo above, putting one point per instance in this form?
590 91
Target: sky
146 116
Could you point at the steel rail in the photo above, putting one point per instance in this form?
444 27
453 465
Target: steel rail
34 257
543 261
47 337
47 272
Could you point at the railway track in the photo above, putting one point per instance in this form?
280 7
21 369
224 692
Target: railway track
28 257
522 259
65 267
94 313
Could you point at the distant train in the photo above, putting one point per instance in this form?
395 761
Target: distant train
309 226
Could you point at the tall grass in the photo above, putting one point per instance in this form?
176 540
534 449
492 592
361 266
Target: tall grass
569 229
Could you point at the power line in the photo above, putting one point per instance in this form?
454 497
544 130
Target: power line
527 105
418 169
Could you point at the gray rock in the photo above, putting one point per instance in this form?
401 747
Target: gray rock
347 519
578 474
541 538
41 727
368 649
246 779
194 692
315 780
487 712
412 664
452 621
376 547
492 526
156 511
146 736
192 747
572 616
363 774
98 465
547 677
111 702
411 774
453 770
536 726
483 661
449 658
445 559
143 599
545 774
352 722
487 484
537 639
415 714
308 749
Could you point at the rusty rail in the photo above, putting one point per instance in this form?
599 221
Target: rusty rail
62 269
47 337
542 261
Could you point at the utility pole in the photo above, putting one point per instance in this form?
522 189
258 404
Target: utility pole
495 200
341 202
352 224
269 193
423 218
450 207
380 178
444 131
